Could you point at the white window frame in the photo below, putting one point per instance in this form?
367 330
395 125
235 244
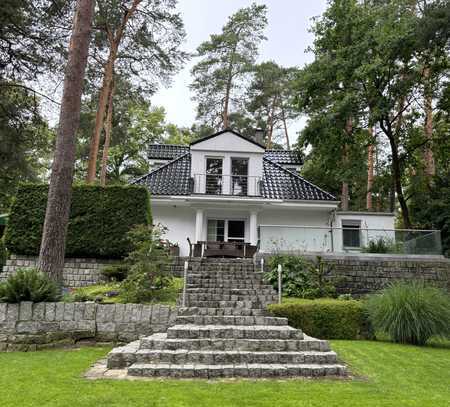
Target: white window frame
226 237
347 224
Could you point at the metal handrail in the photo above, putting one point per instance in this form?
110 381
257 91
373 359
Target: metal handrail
183 298
280 269
337 228
227 184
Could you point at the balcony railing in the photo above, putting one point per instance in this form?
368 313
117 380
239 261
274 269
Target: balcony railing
297 239
234 185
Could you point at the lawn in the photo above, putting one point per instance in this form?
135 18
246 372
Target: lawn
390 375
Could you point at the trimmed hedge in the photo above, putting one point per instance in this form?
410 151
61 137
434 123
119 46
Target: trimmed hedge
325 318
3 254
100 218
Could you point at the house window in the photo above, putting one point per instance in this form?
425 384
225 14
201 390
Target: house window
224 230
216 230
351 233
213 176
239 176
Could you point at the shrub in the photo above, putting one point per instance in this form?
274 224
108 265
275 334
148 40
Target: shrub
28 285
149 259
100 218
115 272
410 312
382 245
300 277
325 318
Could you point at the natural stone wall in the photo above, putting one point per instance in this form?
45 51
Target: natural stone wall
366 273
77 272
30 326
81 272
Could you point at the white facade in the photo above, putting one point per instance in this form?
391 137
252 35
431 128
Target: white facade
274 224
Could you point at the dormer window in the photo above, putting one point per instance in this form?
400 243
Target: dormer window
239 173
214 168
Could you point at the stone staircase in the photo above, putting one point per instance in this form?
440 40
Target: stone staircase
225 331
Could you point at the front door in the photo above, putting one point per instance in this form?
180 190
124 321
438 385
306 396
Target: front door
224 230
236 231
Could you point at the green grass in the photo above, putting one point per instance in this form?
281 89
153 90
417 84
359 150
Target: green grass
391 375
166 296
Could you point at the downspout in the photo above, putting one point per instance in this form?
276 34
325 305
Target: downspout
331 220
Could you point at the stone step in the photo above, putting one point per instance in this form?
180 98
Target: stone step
216 357
195 279
234 370
160 341
227 273
230 286
229 320
232 297
264 290
227 304
223 311
230 268
233 331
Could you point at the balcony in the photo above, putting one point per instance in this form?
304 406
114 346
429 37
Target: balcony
229 185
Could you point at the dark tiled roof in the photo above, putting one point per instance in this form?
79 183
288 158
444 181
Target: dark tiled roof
283 157
172 178
166 151
279 183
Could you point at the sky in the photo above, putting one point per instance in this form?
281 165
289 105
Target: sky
287 40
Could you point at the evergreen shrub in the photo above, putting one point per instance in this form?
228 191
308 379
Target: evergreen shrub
28 285
325 318
100 218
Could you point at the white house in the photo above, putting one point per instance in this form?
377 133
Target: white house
229 188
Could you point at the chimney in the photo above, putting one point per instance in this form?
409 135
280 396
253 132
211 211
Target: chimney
258 136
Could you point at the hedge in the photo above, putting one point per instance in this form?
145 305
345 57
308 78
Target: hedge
325 318
3 254
100 218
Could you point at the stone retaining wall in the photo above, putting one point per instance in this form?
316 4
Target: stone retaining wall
362 274
79 272
30 326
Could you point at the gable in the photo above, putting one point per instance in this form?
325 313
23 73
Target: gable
227 140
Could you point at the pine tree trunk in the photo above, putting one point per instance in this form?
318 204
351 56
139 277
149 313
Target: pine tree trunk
345 194
99 118
396 173
430 168
106 85
51 256
288 146
226 105
108 126
270 123
370 160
